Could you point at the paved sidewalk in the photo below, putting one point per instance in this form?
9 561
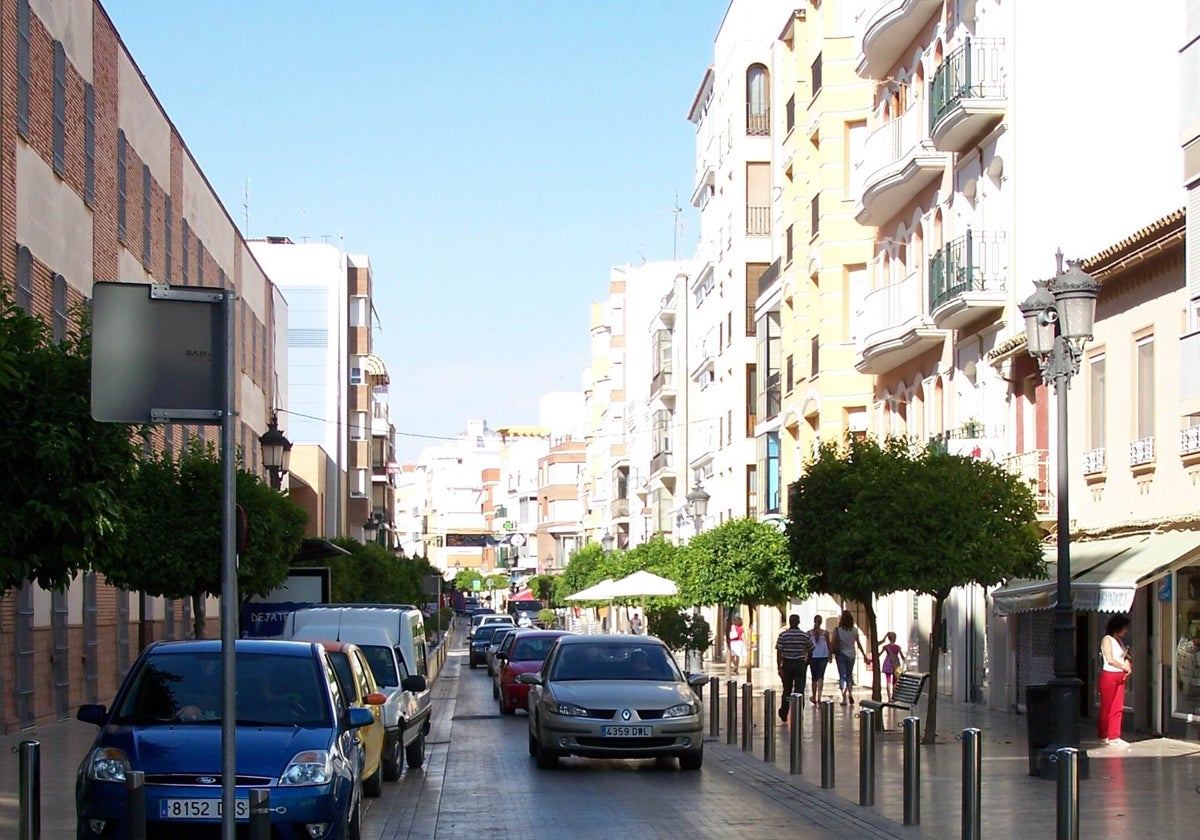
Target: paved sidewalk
1151 789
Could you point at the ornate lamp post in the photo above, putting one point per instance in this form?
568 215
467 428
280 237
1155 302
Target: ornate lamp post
697 501
276 451
1058 323
606 542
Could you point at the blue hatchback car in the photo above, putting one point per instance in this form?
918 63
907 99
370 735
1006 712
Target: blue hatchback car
295 737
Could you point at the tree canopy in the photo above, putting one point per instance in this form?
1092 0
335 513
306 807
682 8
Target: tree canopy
741 561
372 574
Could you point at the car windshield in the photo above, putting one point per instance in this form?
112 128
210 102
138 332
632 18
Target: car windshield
531 650
185 688
383 665
614 661
526 606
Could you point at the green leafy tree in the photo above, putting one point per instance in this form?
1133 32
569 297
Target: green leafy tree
542 586
174 545
371 574
741 561
63 506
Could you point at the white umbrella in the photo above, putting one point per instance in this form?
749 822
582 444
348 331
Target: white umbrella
642 583
598 592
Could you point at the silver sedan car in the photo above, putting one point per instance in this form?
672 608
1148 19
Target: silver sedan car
613 697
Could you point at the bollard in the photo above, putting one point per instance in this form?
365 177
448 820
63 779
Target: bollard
866 757
29 793
714 706
135 805
260 814
827 744
747 717
769 712
972 790
795 763
730 711
912 771
1068 793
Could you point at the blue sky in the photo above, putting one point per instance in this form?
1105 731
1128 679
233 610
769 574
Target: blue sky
493 159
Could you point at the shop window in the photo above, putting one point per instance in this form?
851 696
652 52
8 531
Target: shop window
1186 583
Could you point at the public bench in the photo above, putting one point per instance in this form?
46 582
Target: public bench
907 693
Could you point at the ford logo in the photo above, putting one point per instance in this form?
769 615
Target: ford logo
625 714
207 780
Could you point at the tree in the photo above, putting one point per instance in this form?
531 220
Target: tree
371 574
542 586
62 503
174 529
741 561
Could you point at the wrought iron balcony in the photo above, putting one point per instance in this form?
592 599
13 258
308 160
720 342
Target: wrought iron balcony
1189 440
967 279
967 94
1141 452
758 121
1094 461
1033 467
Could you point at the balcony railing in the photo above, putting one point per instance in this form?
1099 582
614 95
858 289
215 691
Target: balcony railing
758 220
1189 440
887 307
1094 461
973 71
661 461
1033 467
664 380
1141 452
758 122
891 142
972 263
620 507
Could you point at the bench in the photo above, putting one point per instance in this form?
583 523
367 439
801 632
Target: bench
909 688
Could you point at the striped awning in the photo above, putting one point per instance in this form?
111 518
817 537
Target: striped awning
374 365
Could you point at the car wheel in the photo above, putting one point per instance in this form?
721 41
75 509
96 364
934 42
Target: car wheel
691 760
506 710
392 759
545 759
414 753
373 784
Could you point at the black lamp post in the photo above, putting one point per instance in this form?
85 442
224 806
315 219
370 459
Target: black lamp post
276 451
697 501
1058 323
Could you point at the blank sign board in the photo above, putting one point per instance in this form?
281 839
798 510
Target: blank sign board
157 354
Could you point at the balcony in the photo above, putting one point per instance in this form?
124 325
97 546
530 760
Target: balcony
893 328
620 508
1141 452
662 466
758 220
890 28
967 95
704 355
1095 461
1189 370
1189 440
900 161
666 309
662 385
968 280
1034 468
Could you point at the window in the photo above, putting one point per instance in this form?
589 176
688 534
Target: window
768 464
59 324
89 145
358 425
816 75
23 68
751 491
758 101
60 108
815 352
790 376
146 216
729 427
25 279
789 245
167 237
183 245
754 275
751 399
359 487
815 211
768 365
122 183
1096 401
791 112
1145 388
856 138
199 263
358 311
758 199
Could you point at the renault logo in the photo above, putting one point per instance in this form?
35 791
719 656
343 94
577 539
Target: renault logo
626 714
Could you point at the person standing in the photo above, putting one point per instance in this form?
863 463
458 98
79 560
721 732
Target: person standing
892 662
737 642
1115 669
635 624
845 639
792 650
819 659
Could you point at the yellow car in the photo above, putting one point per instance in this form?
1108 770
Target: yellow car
358 682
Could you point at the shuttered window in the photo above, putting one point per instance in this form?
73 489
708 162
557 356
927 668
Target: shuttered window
167 238
146 216
25 279
89 145
183 245
60 308
60 109
23 68
121 185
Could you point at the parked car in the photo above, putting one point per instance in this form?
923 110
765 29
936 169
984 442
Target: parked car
477 653
498 638
481 619
613 697
526 611
296 735
358 683
523 653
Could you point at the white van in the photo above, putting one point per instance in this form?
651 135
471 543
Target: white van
392 636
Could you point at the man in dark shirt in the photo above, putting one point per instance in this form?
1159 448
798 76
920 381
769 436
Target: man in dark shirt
792 651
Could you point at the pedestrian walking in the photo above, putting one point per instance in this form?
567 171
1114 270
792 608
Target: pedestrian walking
819 659
792 650
737 642
893 664
1115 669
845 639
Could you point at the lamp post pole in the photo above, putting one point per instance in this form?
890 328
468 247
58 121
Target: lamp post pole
1058 323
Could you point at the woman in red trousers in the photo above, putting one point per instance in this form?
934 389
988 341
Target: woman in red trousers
1114 670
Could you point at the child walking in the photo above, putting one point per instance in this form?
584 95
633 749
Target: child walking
890 654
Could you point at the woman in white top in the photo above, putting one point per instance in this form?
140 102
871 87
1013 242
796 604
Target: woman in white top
845 639
1114 670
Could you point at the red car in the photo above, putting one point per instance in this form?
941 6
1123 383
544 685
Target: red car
523 654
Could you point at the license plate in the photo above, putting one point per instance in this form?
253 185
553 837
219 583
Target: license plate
626 731
200 809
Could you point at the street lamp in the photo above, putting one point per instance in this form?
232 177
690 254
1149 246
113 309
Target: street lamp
1058 323
606 542
276 451
697 501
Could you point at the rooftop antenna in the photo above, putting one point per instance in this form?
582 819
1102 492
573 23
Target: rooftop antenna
677 233
246 208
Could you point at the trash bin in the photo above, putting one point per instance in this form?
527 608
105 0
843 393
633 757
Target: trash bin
1039 721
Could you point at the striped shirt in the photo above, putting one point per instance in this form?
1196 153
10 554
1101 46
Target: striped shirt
794 643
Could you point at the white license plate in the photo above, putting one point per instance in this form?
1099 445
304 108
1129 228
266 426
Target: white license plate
200 809
626 731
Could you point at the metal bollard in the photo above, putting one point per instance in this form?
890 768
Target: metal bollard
730 711
769 712
1068 793
866 757
827 744
972 784
747 717
714 706
135 805
260 814
795 763
912 771
29 763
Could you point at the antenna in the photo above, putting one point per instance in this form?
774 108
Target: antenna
677 242
246 208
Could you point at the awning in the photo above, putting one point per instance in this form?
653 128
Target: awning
1105 574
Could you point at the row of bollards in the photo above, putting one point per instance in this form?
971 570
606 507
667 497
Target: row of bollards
972 757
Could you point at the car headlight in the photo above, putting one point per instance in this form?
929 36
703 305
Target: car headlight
571 710
681 710
311 767
108 764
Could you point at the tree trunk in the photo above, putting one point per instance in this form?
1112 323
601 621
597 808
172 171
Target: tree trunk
199 627
935 655
873 647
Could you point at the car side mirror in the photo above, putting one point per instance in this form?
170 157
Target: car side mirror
94 713
529 679
375 698
414 683
359 717
697 680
